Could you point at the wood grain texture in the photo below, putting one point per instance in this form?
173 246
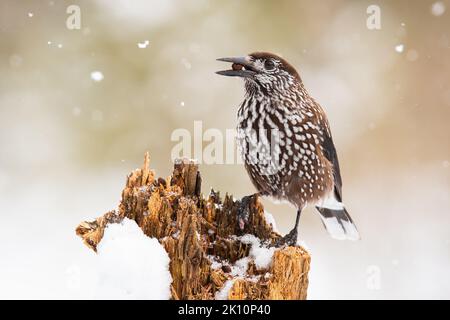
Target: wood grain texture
196 230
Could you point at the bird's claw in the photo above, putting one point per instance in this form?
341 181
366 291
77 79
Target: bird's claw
289 240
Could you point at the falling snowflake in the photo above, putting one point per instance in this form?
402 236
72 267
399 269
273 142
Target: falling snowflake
60 45
182 103
30 14
97 76
143 45
399 48
186 63
438 9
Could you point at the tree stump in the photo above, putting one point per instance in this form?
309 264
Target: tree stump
202 238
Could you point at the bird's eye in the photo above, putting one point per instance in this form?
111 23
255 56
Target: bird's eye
269 64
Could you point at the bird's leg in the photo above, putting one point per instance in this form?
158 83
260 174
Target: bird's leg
243 210
291 238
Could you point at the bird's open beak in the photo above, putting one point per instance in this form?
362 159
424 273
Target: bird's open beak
241 67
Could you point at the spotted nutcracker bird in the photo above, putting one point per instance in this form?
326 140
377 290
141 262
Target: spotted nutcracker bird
286 144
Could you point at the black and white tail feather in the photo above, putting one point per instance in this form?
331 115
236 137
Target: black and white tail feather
338 223
334 216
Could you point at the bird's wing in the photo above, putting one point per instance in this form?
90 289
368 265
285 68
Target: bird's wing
331 154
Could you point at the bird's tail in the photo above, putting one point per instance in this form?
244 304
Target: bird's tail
338 223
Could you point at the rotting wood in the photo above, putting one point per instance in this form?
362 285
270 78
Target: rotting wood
196 230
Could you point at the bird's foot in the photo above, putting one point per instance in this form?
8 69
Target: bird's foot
289 240
243 212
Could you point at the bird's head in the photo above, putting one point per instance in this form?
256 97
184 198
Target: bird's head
262 70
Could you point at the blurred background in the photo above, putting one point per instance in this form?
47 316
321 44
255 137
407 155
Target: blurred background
78 109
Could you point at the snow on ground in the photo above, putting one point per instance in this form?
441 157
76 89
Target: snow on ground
222 294
239 269
261 255
131 265
271 220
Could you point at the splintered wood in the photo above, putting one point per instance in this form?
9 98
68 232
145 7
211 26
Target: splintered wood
202 238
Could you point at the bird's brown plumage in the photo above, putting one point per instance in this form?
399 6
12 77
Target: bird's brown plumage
285 140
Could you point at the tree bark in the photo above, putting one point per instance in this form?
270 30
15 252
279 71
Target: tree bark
197 231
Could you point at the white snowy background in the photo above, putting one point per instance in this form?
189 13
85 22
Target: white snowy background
78 109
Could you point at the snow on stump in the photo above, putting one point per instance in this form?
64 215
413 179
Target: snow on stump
210 257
